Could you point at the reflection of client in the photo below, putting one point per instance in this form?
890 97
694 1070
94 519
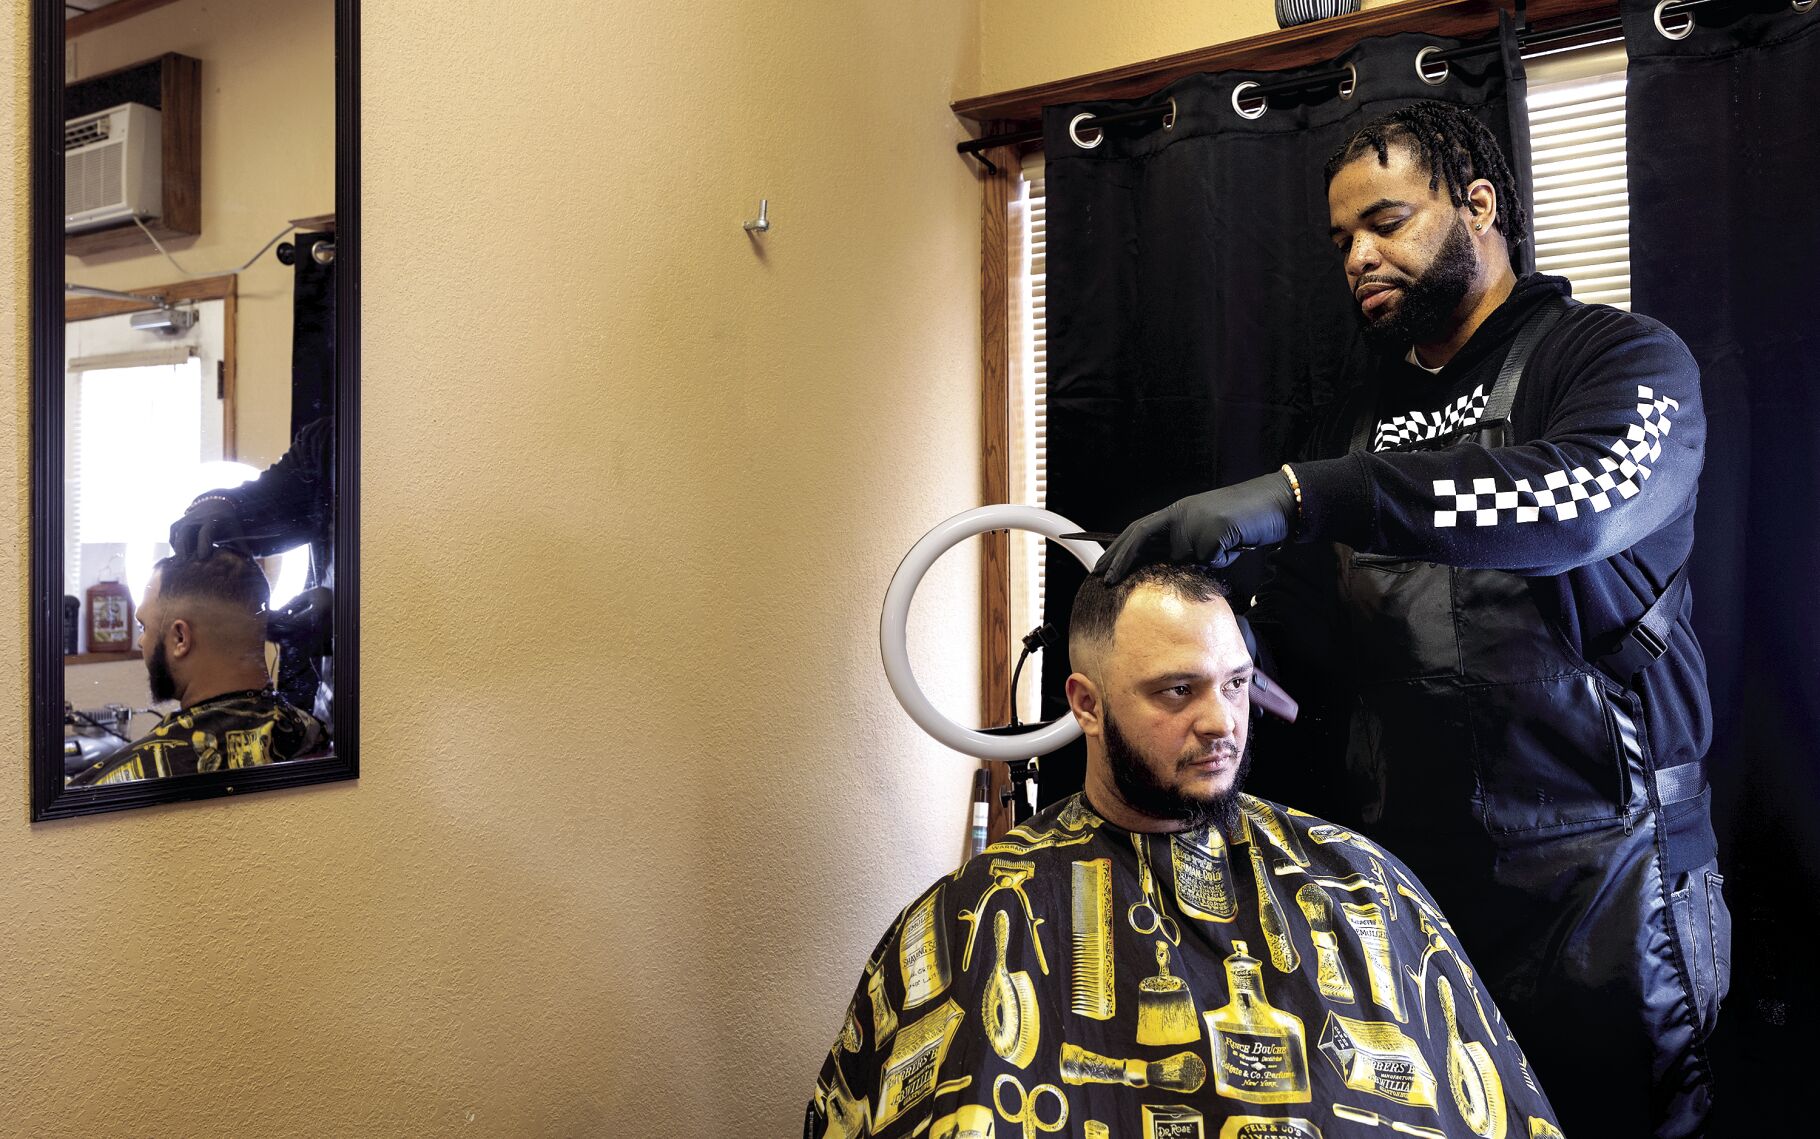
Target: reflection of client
204 646
290 503
1161 954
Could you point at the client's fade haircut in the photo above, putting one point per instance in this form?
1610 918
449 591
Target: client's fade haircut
222 576
1453 146
1097 605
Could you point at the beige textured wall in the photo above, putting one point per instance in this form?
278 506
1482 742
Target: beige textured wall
636 800
268 158
1026 42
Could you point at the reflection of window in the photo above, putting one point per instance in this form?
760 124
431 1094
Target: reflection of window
145 420
137 441
137 456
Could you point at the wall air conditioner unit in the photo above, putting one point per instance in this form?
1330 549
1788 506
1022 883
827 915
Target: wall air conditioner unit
111 169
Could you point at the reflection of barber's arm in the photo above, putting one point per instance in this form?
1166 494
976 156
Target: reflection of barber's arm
287 504
1617 458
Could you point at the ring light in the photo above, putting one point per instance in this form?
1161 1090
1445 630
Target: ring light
893 629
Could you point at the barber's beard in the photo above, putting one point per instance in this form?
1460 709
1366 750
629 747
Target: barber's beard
158 675
1145 792
1429 302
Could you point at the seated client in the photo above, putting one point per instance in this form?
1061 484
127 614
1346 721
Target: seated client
204 646
1162 956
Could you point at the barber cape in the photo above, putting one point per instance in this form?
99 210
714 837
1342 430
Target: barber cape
1295 982
232 730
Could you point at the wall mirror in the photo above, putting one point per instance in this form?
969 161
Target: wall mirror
195 399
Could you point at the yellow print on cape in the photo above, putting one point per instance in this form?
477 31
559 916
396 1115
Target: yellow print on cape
884 1017
250 748
1172 1121
846 1112
1203 875
1260 1052
973 1121
1074 824
1282 833
922 952
1378 1058
1091 961
916 1059
1267 1127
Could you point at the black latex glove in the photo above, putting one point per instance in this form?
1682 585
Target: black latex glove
210 522
1208 528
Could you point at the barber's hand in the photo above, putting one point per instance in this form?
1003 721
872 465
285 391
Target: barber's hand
209 523
1209 528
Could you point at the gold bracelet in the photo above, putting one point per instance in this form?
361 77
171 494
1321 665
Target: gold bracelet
1295 488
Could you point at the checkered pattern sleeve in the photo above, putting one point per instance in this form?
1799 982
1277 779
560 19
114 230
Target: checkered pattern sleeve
1612 414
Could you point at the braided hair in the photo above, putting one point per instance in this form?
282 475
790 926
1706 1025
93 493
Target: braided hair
1454 146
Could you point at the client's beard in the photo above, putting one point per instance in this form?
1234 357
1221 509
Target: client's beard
1429 301
158 675
1144 792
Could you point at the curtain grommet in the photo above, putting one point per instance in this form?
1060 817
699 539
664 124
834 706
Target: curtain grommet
1238 109
1074 131
1422 67
1169 119
1349 86
1803 5
1687 29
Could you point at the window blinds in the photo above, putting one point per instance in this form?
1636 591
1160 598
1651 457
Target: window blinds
1582 207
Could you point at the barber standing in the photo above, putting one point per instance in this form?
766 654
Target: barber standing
1489 576
290 502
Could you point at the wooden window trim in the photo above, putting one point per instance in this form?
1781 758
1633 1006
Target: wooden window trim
995 474
1021 109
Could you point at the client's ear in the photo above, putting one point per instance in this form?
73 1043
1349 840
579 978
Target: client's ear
182 638
1084 701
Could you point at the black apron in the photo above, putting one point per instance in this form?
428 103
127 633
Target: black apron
1516 778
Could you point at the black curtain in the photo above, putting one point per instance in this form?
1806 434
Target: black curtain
1198 316
1724 144
312 333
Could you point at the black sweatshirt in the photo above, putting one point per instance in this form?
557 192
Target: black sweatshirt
1596 502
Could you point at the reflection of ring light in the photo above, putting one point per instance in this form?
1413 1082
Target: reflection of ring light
893 627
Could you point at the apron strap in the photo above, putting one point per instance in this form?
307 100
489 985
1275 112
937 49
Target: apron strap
1504 389
1644 643
1510 376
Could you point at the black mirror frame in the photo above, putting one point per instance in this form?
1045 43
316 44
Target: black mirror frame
50 798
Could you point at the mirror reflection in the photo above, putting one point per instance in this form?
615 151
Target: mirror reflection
198 394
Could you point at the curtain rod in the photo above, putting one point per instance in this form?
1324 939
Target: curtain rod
977 146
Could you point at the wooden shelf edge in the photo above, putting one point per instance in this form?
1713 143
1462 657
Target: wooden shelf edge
104 658
106 17
1273 51
115 238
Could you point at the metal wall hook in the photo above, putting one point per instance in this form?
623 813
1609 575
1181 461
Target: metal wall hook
763 223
